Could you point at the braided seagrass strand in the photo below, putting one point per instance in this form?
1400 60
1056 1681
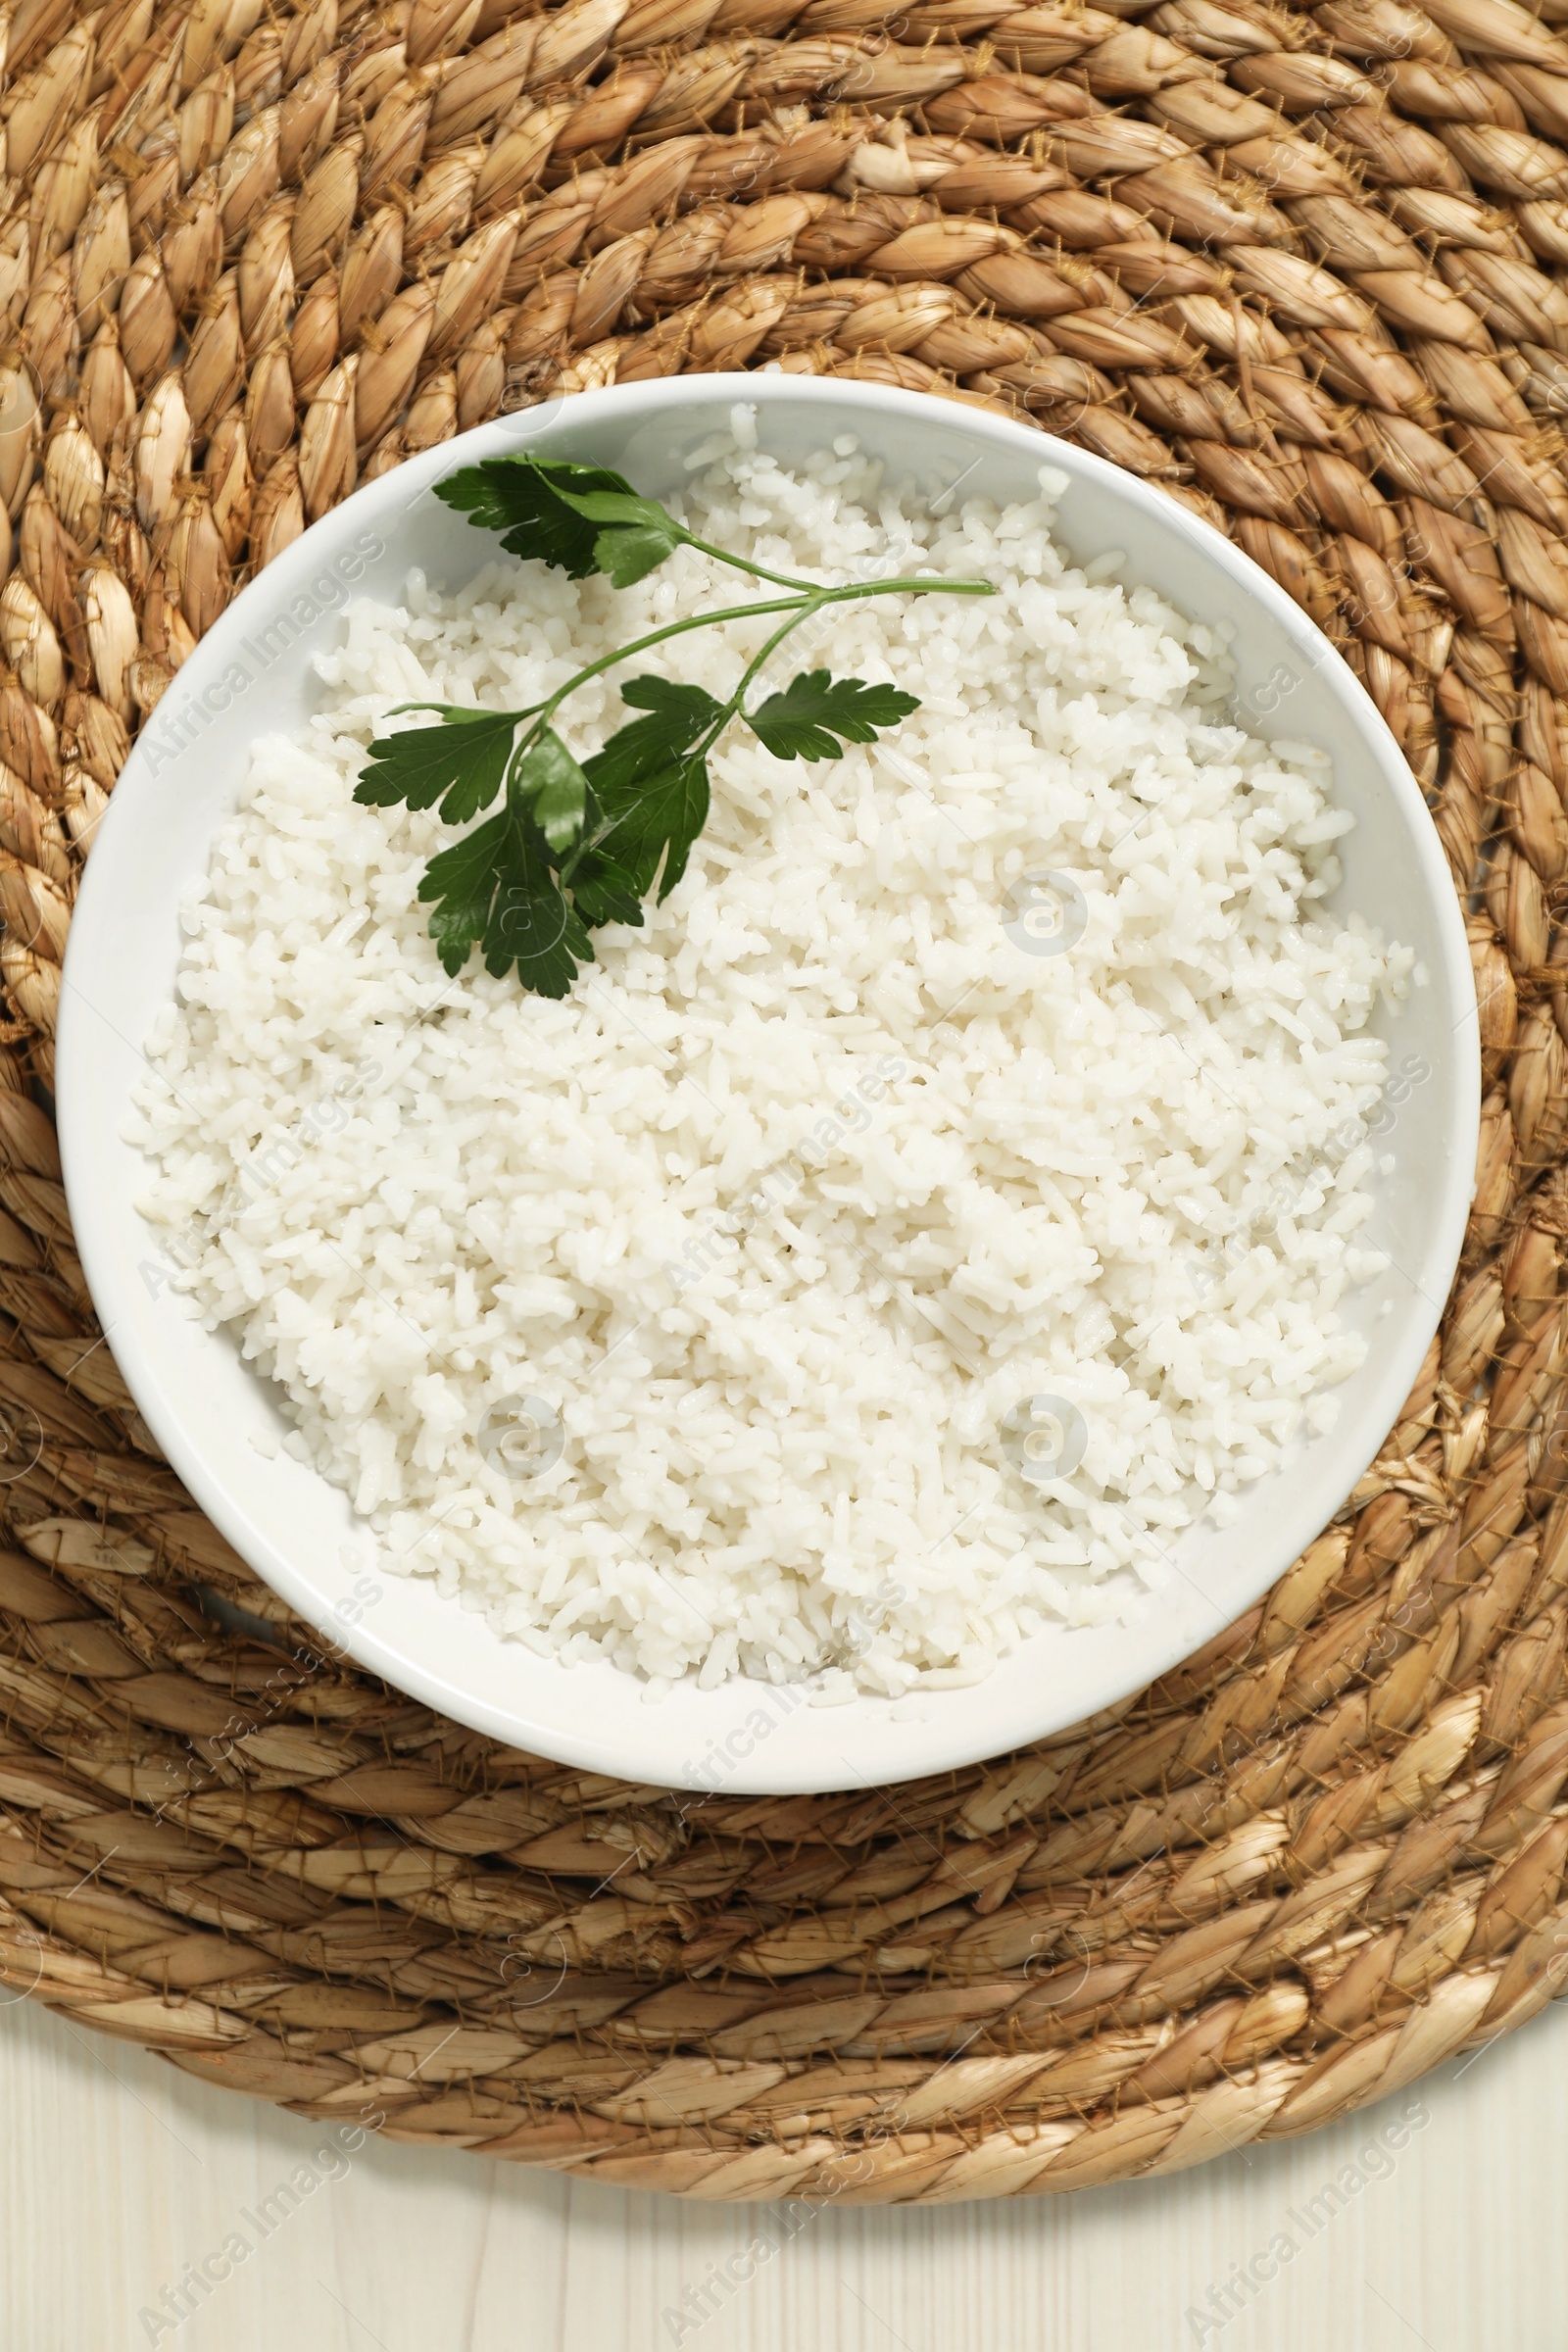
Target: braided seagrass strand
1301 269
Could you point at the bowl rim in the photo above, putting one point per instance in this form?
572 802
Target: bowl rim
591 1747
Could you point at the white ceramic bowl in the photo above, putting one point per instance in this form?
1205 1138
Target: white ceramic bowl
252 674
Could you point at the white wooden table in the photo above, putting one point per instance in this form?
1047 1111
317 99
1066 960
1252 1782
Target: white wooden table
120 2174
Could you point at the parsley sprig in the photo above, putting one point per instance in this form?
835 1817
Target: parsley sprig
578 843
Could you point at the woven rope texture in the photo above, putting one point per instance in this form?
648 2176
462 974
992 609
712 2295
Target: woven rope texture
1304 271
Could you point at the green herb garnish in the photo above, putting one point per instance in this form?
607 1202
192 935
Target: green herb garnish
580 842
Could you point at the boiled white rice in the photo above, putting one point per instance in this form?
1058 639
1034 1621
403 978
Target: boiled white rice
988 1104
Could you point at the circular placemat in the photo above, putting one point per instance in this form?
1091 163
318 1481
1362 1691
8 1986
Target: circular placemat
1301 269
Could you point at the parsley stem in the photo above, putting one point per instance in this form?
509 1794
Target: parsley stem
802 607
812 598
809 601
640 645
813 605
927 583
579 844
782 579
732 708
758 571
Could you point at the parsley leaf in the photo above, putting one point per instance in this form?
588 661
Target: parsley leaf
463 882
532 926
653 792
581 843
637 535
677 715
464 757
656 816
604 892
548 778
495 888
796 724
580 519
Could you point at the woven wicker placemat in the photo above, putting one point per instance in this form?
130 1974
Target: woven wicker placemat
1301 268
